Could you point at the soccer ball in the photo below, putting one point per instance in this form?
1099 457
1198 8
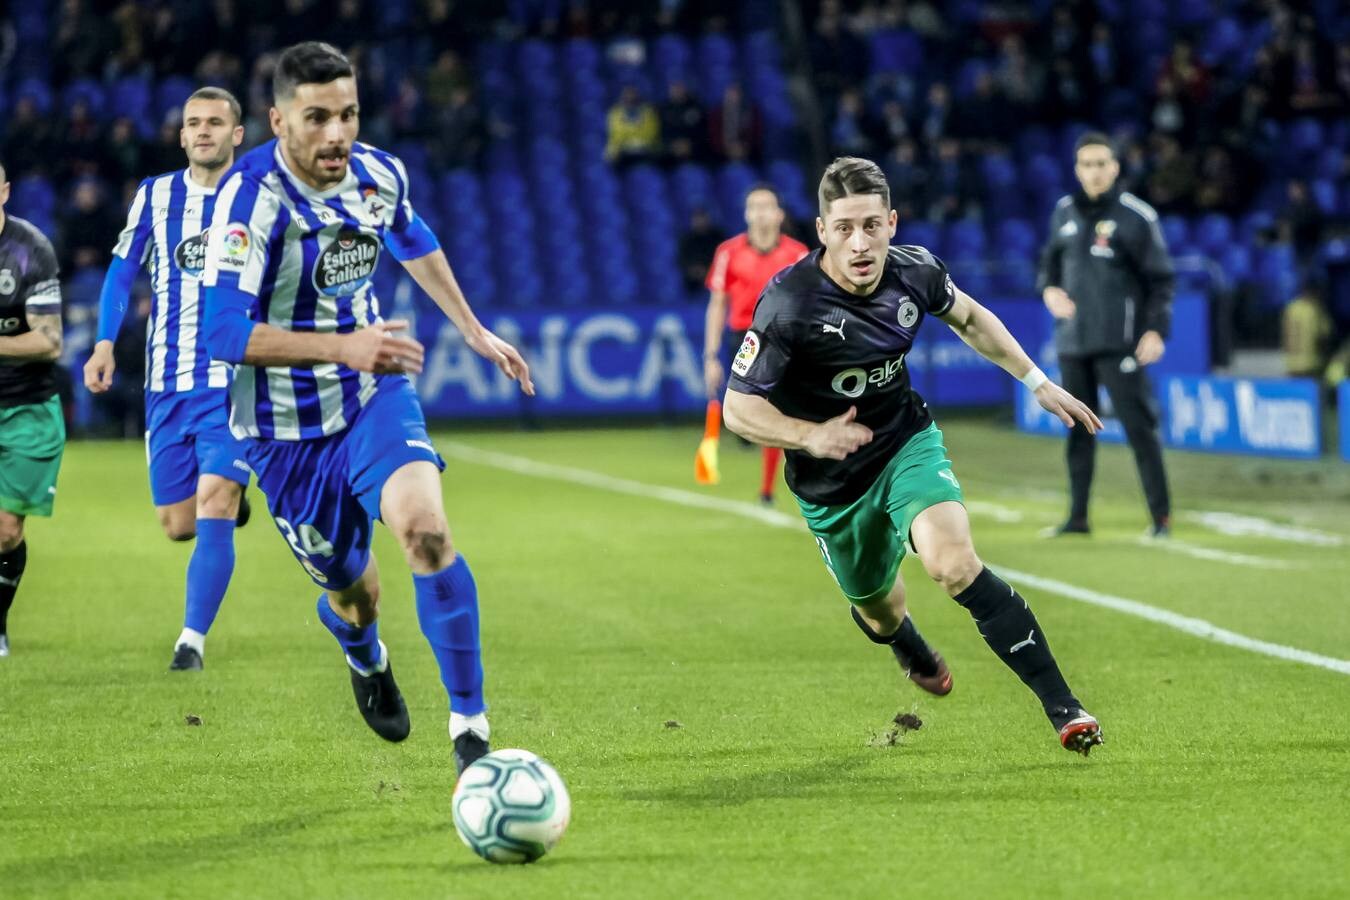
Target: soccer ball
511 807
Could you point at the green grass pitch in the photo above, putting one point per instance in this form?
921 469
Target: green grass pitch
696 680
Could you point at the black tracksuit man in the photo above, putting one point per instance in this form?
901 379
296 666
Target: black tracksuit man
1109 256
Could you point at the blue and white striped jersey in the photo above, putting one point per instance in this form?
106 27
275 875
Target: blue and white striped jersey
303 259
165 229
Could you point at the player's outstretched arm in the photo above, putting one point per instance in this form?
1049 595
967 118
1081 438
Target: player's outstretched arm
756 419
432 273
986 334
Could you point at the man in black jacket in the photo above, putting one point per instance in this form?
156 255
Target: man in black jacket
1107 278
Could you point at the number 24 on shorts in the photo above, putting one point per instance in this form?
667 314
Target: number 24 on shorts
306 541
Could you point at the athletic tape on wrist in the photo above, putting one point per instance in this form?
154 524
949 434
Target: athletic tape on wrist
1034 379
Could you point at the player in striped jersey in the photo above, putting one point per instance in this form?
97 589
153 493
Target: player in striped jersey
335 432
197 468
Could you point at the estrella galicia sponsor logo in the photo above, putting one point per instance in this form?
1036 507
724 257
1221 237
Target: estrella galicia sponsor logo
852 382
190 254
346 263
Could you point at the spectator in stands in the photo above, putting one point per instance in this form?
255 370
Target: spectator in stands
908 181
684 127
446 78
1188 78
892 124
1020 79
1306 333
697 247
459 135
1101 53
1313 76
1302 222
30 140
848 132
1218 189
1170 115
982 119
122 153
937 115
1171 187
734 127
838 59
80 138
87 228
951 185
82 41
634 129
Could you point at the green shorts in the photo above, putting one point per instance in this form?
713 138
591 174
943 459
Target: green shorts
32 438
863 541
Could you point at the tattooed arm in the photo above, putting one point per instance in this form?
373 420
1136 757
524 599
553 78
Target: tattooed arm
42 344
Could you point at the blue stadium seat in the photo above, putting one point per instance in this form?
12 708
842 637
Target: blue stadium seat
1213 232
88 91
1176 230
894 50
1017 236
964 239
33 197
922 233
1323 192
1276 274
1235 260
38 91
1305 137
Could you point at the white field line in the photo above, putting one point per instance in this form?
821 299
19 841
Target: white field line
1192 626
1237 525
1172 545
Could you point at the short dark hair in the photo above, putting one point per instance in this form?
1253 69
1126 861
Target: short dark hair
1093 139
216 93
310 62
850 175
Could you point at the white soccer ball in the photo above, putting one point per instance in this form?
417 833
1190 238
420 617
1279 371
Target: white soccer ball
511 807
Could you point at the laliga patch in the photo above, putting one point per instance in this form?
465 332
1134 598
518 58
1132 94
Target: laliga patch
232 252
908 315
746 356
190 254
346 263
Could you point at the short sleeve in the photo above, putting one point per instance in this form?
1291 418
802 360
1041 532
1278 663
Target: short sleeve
717 272
42 283
408 235
929 279
133 243
766 350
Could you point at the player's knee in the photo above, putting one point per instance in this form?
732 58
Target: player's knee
427 544
218 501
953 566
11 533
179 531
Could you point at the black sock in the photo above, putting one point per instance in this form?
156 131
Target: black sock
1011 631
11 570
906 643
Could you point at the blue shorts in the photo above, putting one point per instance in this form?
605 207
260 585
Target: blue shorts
324 493
187 435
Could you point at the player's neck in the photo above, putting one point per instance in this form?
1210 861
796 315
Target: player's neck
208 178
763 242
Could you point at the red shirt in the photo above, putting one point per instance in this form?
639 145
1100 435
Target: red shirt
743 272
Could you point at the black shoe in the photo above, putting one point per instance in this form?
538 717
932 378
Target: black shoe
766 500
1160 530
185 659
1069 527
381 704
245 511
469 748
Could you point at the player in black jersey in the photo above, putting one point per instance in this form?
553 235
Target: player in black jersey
32 430
822 374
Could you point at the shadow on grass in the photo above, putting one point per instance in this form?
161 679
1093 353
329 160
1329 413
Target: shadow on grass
736 788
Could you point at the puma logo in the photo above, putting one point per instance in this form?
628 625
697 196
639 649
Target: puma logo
9 582
827 328
1029 642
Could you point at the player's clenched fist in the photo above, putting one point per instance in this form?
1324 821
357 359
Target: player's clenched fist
838 437
376 348
98 372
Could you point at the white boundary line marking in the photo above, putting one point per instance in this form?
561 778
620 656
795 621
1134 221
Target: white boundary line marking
1239 525
774 518
1213 555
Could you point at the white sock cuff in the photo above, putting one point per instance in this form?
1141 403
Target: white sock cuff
362 670
194 639
477 723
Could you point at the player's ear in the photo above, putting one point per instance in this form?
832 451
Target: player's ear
238 136
183 137
277 121
893 221
820 229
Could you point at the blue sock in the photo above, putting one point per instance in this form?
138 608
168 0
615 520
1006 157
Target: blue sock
208 572
360 643
447 609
